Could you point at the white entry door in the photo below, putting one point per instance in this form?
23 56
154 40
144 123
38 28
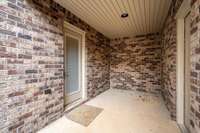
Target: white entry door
73 88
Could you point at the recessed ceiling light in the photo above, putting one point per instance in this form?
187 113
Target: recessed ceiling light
124 15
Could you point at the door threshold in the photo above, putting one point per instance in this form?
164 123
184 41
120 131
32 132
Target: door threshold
75 104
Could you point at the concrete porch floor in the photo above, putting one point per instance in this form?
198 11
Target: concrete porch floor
124 112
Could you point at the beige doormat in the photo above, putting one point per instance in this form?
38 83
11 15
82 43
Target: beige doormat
84 114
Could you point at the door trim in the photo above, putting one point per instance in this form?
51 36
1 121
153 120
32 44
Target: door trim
83 55
180 18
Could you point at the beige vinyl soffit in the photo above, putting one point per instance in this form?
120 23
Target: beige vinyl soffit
145 16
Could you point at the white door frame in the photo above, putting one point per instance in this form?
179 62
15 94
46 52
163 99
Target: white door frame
83 55
181 14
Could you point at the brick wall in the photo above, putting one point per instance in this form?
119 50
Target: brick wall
169 59
136 63
31 56
31 63
195 67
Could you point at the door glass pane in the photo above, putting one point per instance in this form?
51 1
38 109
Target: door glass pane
72 65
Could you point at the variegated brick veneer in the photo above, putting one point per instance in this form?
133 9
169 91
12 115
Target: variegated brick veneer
195 67
169 59
169 65
31 66
136 63
31 63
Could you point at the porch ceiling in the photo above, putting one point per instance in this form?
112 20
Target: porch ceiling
145 16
